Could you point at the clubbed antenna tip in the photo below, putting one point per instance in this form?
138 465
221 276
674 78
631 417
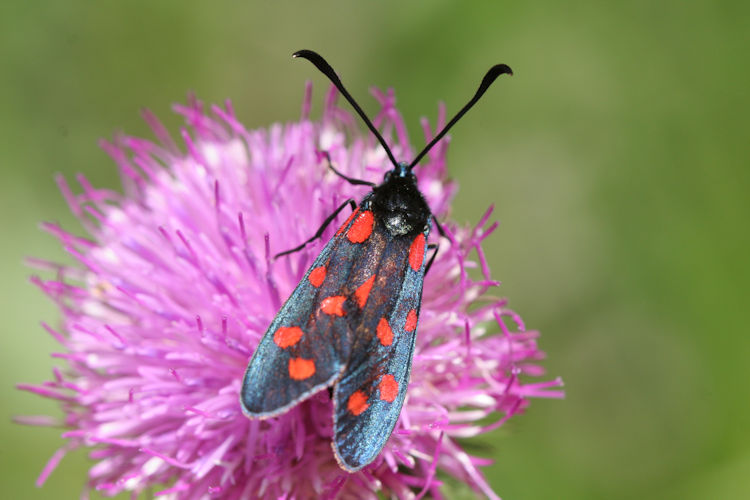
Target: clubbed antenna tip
327 70
489 77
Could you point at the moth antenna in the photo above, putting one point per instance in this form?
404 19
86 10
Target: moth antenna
492 74
327 70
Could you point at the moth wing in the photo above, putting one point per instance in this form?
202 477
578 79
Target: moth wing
371 392
304 350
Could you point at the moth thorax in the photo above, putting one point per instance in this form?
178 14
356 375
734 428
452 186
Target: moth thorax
401 207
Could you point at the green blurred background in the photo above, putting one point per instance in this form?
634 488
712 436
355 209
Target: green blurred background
617 158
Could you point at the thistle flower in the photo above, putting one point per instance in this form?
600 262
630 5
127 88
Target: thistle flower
175 285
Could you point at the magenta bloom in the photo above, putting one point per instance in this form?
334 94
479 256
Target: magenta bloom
175 285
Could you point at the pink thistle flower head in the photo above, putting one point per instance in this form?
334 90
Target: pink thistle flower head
175 284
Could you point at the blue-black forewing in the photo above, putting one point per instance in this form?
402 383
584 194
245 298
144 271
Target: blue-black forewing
369 395
268 387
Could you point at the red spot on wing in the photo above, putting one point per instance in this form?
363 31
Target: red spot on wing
388 388
416 252
361 227
301 369
287 336
343 226
317 276
385 334
333 305
411 321
357 403
363 291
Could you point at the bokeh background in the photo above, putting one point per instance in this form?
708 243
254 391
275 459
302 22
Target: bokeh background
617 158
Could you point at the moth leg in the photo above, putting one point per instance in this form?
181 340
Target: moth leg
440 229
436 247
323 227
350 180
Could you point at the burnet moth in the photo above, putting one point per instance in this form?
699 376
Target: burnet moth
351 323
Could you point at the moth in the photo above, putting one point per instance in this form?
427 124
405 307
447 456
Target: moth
350 325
